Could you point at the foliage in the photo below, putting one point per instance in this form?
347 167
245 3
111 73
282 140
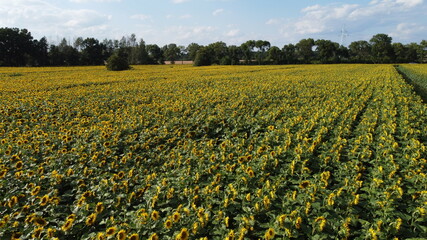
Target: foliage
203 57
382 50
117 63
417 76
16 46
18 49
285 152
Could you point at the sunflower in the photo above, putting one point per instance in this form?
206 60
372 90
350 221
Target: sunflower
304 184
226 221
19 165
266 202
70 172
3 173
13 201
269 234
25 208
55 200
110 231
67 225
39 221
100 236
121 235
99 207
251 173
35 190
51 232
183 235
176 216
168 224
90 220
195 227
155 215
134 236
37 232
322 223
16 235
248 197
154 236
44 200
398 224
298 223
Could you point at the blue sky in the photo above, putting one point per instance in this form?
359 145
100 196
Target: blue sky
206 21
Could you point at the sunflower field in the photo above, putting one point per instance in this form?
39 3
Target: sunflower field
219 152
416 74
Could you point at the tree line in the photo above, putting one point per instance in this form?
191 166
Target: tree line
19 48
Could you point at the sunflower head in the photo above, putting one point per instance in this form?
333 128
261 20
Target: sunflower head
121 235
168 224
90 220
269 234
67 225
134 236
155 215
110 231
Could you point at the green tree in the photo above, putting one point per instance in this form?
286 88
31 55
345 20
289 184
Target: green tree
192 49
117 63
78 43
343 54
326 51
382 50
400 53
16 46
304 50
171 52
155 54
360 52
290 54
203 57
412 50
235 53
40 52
219 53
141 52
92 52
275 55
247 50
262 48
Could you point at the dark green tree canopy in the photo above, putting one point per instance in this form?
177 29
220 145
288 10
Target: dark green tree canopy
117 63
382 50
304 49
18 48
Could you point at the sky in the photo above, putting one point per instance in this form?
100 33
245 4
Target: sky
206 21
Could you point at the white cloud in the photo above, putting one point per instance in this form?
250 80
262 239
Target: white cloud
273 21
326 19
409 3
217 12
140 17
232 33
405 30
44 18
